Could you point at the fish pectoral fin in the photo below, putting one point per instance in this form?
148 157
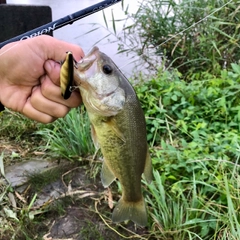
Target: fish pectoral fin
94 137
148 172
66 75
107 176
113 125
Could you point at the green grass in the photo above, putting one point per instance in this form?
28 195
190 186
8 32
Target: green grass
193 123
192 209
69 137
188 35
193 131
72 134
15 126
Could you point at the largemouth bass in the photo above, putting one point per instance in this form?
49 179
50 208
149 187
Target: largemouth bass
118 127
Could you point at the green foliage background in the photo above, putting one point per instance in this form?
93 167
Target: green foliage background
192 35
192 112
193 131
191 104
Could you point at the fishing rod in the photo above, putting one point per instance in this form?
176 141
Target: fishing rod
69 19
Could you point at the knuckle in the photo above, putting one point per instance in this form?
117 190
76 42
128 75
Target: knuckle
60 112
45 89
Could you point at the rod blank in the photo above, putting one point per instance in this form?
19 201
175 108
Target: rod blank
69 19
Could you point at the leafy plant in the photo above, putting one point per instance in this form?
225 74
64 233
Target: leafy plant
193 131
205 109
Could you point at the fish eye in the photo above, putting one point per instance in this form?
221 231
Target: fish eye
107 69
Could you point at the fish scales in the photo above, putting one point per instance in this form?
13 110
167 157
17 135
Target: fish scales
119 129
121 156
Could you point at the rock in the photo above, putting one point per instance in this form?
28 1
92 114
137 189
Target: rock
17 174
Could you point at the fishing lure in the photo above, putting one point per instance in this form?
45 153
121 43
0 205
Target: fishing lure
66 75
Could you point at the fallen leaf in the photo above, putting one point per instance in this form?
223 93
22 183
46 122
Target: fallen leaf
20 197
110 199
10 213
12 199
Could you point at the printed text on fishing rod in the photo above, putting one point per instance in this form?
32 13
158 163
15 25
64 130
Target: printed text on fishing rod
69 19
41 32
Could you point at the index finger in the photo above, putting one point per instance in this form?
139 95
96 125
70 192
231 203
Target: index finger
56 49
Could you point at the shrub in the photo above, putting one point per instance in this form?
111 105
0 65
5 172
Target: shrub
193 36
203 109
193 129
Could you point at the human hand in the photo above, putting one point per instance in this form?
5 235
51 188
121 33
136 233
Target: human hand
29 78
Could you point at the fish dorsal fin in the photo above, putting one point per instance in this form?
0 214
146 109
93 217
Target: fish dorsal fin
148 173
107 176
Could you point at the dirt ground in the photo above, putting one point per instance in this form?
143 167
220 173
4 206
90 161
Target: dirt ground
71 204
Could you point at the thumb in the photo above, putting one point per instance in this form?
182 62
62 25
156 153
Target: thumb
56 49
52 69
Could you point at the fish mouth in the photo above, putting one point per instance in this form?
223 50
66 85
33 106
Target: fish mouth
100 91
87 61
88 67
94 51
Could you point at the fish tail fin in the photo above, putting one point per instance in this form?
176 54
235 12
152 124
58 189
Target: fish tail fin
135 211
